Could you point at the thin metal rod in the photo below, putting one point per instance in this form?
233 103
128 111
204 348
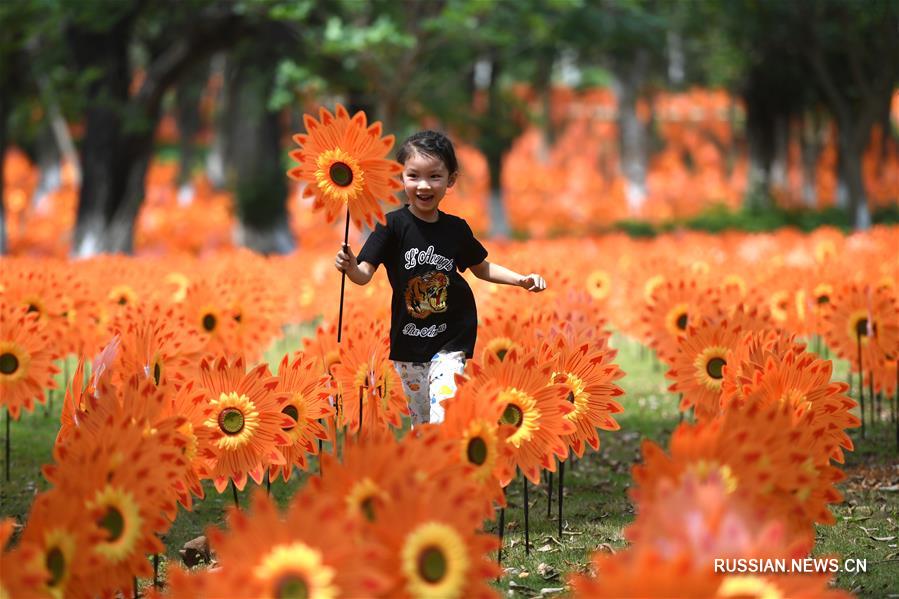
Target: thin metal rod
874 406
156 584
361 390
861 387
268 482
7 443
561 495
502 532
320 453
527 519
346 247
234 493
549 494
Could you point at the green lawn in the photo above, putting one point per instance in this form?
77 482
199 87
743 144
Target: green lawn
596 504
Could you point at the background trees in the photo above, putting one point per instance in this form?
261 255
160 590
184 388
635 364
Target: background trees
109 69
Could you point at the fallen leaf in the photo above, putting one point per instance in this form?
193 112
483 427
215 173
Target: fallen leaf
882 539
545 548
524 574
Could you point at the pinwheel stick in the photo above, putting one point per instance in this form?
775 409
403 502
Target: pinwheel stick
549 493
6 443
346 239
502 531
861 387
561 488
234 493
527 519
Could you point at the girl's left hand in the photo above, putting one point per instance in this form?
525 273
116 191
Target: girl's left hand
533 282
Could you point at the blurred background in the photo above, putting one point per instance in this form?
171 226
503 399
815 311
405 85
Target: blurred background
163 126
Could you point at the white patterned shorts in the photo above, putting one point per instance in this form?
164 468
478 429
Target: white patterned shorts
427 384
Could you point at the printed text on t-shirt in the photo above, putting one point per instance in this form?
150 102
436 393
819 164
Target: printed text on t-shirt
416 257
431 331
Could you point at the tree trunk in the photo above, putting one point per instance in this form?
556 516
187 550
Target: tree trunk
261 192
760 139
216 160
811 141
852 146
49 164
187 116
496 137
632 132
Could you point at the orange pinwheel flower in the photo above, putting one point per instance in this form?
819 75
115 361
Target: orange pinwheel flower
50 558
374 466
866 314
155 344
803 381
306 402
314 550
432 547
697 369
207 313
244 425
480 442
673 306
121 478
366 378
532 404
342 162
26 359
647 572
761 457
588 374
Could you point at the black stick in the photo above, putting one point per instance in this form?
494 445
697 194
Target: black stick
561 488
874 407
361 390
502 532
861 388
155 570
136 593
346 247
896 407
234 493
8 418
527 518
320 452
549 494
268 482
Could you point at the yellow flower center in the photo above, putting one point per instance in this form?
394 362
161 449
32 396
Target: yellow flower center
362 498
677 319
190 450
297 571
123 295
338 175
477 447
710 365
778 305
235 416
859 326
521 412
119 516
576 394
500 346
748 586
649 288
435 562
59 547
598 283
704 470
735 283
14 362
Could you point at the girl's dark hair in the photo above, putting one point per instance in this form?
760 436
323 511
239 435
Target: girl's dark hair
430 143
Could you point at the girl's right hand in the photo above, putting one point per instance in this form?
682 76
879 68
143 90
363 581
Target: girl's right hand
345 260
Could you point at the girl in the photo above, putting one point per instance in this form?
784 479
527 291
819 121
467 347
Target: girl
434 319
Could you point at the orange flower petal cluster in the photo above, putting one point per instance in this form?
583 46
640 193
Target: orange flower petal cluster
342 162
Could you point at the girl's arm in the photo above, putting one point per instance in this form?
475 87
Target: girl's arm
359 273
495 273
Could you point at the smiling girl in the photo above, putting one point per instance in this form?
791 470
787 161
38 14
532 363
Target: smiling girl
434 319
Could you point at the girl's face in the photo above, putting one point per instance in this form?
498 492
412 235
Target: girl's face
426 180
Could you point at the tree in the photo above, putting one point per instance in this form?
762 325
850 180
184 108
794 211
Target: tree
852 49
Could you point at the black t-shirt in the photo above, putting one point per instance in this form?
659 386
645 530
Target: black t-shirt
433 306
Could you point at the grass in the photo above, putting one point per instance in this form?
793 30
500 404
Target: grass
596 504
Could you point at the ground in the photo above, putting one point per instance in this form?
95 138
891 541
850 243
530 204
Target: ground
596 505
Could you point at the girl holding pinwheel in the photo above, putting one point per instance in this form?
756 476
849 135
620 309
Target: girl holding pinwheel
434 317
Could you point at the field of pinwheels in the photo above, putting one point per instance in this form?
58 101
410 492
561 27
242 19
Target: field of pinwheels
695 386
